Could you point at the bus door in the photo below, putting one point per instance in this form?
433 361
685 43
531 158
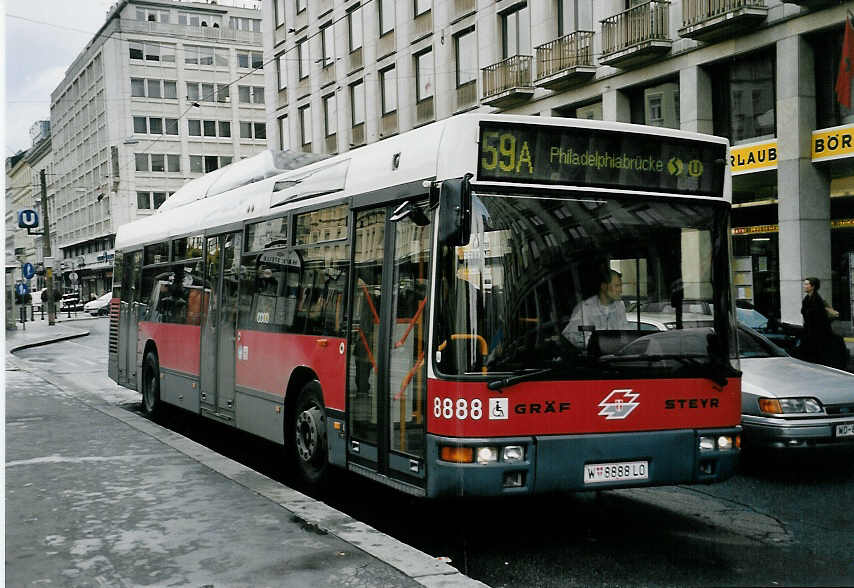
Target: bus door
129 309
218 323
386 364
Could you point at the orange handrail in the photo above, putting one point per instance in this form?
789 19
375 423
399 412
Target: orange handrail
409 376
484 346
411 322
367 347
371 303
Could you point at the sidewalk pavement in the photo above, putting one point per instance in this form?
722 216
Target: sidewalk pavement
98 495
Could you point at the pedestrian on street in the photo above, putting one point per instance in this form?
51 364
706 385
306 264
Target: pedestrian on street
817 335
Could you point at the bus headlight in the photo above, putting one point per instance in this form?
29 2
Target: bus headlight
487 454
513 453
707 443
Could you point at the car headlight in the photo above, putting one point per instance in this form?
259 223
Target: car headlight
805 405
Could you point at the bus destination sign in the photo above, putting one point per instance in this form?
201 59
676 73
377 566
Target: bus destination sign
534 154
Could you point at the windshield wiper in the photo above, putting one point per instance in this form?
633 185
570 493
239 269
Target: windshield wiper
709 370
514 379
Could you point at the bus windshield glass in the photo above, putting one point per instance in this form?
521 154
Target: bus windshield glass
570 284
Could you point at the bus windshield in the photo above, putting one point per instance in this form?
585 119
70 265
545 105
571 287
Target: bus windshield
569 283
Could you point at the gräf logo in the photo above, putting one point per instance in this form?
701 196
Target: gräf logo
618 404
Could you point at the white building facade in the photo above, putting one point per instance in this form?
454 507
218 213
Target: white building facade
164 92
759 72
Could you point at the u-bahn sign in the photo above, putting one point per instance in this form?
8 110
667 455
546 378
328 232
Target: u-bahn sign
28 219
28 271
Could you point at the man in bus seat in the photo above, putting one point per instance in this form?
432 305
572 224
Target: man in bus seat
603 311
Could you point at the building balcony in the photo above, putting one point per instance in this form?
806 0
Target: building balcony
178 30
636 35
508 82
712 20
566 61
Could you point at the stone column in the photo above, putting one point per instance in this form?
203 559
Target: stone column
695 100
803 189
616 106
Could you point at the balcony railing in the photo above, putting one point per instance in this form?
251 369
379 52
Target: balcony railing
633 32
507 81
571 55
209 33
707 20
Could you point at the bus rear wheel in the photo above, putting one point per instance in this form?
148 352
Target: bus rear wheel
309 434
151 385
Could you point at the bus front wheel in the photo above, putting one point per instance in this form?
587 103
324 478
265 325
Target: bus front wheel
309 434
151 385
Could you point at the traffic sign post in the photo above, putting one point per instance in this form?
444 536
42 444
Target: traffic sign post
28 271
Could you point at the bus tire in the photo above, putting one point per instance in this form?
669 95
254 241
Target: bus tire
151 405
308 441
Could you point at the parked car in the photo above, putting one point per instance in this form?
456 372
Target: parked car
100 305
789 403
785 402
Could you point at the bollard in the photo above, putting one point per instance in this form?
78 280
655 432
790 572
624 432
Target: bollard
24 317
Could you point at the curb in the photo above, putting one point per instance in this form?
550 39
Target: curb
47 341
411 562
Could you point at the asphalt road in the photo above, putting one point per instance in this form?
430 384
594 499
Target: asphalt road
781 521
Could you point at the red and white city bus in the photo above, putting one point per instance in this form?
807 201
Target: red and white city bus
404 310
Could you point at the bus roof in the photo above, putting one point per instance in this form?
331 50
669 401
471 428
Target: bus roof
437 151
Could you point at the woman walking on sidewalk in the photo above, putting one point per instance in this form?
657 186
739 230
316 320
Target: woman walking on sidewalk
818 336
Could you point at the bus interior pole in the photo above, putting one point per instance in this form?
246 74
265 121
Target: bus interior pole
46 252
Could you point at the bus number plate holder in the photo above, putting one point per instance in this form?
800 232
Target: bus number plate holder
596 473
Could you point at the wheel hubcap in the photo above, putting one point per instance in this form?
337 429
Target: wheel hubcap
308 433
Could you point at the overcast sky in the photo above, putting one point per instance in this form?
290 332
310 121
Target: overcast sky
42 38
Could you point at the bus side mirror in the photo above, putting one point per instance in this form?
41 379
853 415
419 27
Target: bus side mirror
455 212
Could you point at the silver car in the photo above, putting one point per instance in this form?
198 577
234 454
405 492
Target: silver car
785 402
789 403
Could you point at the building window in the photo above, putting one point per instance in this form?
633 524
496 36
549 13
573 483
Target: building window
140 124
280 13
386 16
223 93
301 4
330 115
170 89
327 37
250 59
194 128
209 128
253 130
422 6
151 51
424 76
155 126
240 23
357 102
193 91
137 88
143 200
516 32
158 162
305 124
207 163
141 161
250 94
388 85
303 59
354 25
282 71
260 130
153 88
284 133
466 47
173 162
744 98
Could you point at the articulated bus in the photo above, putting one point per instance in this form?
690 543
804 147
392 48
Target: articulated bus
411 310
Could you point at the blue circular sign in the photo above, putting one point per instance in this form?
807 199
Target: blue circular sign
22 289
28 219
28 271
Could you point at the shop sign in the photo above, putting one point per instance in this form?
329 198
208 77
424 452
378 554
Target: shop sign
843 223
755 229
834 143
752 158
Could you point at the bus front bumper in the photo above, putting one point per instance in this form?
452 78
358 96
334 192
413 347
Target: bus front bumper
568 463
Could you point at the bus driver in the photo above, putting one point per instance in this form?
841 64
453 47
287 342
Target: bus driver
602 311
